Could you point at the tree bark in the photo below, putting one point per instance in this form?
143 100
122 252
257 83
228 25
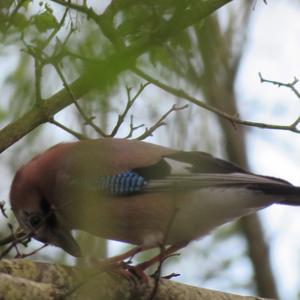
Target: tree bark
25 279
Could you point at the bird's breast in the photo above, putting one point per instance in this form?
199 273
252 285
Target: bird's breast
162 218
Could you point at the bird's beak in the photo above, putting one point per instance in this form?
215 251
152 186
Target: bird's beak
64 239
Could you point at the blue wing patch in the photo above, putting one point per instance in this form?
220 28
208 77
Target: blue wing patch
123 183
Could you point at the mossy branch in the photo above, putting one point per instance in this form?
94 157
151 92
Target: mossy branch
24 279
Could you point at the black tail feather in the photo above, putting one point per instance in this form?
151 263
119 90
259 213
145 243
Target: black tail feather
287 194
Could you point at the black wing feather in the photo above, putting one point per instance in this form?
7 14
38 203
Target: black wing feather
203 162
200 162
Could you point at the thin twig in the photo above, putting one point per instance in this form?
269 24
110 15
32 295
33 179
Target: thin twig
18 236
55 31
42 59
38 66
38 76
14 244
59 50
148 132
130 102
89 12
162 254
291 85
132 128
10 18
78 135
104 20
36 53
88 120
23 255
6 251
231 118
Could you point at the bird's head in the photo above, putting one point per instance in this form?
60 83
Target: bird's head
37 215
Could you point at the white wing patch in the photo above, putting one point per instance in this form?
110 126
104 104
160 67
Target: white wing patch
178 167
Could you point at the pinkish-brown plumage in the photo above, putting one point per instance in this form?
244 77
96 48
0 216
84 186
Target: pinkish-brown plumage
135 192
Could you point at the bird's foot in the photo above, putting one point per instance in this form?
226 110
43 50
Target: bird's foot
126 255
135 271
121 268
169 276
156 259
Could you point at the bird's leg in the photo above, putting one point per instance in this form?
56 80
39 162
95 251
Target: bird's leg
164 254
117 265
126 269
128 254
139 270
116 261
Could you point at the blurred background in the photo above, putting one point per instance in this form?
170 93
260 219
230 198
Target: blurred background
217 61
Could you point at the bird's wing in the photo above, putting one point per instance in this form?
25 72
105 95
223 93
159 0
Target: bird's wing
198 170
188 170
234 180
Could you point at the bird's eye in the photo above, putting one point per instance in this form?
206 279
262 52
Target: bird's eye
35 221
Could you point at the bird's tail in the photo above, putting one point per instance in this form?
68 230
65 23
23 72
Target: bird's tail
286 194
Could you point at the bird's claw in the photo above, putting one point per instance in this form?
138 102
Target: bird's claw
135 271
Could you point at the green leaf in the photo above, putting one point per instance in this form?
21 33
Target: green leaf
20 21
181 40
25 4
5 4
45 21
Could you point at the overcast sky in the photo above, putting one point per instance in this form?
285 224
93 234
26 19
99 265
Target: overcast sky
273 49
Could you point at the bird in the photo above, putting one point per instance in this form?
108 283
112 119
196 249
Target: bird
136 192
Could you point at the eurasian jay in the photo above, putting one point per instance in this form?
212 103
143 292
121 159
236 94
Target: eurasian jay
136 192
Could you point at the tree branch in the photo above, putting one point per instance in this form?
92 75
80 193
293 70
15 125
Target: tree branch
231 118
24 279
160 122
130 102
291 85
124 59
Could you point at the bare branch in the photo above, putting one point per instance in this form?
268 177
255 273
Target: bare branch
53 281
148 132
36 53
15 238
89 12
38 77
88 120
231 118
10 18
78 135
123 59
55 31
132 128
17 235
290 85
129 104
24 255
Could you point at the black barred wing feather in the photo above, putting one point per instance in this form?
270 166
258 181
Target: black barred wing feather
122 184
188 170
